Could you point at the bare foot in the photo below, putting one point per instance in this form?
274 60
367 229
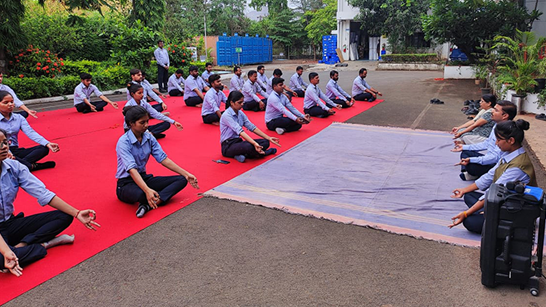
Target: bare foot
60 240
199 105
216 123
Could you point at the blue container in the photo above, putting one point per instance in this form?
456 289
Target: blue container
254 50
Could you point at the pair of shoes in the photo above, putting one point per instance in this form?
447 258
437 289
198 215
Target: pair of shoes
142 210
541 116
436 101
45 165
240 158
280 131
271 151
159 136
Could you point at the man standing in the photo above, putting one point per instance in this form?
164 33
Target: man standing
162 57
362 91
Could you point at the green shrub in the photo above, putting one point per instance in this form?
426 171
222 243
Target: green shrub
179 56
411 58
28 88
134 46
75 68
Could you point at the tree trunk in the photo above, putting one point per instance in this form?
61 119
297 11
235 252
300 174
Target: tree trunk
314 51
3 65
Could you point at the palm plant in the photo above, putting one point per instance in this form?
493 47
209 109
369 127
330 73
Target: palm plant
520 59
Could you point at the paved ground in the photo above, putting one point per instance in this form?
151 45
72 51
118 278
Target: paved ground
224 253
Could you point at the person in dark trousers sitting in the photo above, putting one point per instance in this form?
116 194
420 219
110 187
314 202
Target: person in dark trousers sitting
29 237
236 143
134 149
280 115
210 112
362 91
313 101
82 96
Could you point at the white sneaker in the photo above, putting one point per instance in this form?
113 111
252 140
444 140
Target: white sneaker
280 131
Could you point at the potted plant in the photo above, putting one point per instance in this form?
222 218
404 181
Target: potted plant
520 57
481 72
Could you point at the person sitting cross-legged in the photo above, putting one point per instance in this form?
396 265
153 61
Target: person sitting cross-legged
313 101
236 143
82 96
362 91
250 90
29 237
280 115
210 112
336 93
175 83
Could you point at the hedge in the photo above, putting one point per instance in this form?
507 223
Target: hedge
411 58
105 77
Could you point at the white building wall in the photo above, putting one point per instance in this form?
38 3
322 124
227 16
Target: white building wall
345 13
539 26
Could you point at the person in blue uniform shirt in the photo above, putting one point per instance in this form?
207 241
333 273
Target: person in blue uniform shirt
361 90
175 83
315 103
207 73
13 123
133 150
18 103
262 78
137 77
236 83
82 96
474 163
194 88
162 57
137 93
514 165
277 73
280 115
297 84
236 143
336 93
29 237
250 91
210 112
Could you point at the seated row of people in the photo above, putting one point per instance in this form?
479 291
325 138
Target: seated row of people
505 160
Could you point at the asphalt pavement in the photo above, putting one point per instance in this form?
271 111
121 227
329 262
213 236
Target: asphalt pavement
225 253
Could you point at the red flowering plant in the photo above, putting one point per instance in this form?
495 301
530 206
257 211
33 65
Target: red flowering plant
35 62
179 55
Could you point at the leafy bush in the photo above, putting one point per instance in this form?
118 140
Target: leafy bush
75 68
411 58
178 55
27 88
35 62
134 46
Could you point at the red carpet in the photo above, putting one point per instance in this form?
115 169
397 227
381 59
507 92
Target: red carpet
86 165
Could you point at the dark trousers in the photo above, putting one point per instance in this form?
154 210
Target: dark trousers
299 92
85 108
364 97
166 186
254 105
193 101
27 156
176 92
22 113
283 122
237 146
162 77
474 169
32 230
343 103
158 107
211 118
317 111
474 222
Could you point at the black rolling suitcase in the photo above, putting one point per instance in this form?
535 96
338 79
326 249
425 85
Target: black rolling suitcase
508 236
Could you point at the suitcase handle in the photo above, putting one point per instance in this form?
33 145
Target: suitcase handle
506 252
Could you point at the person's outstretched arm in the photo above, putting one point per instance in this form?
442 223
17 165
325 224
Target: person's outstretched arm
168 163
86 217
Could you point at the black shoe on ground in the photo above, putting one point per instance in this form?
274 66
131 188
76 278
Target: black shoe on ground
45 165
159 136
271 151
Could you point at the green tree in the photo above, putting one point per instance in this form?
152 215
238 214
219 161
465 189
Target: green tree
151 13
399 19
11 35
470 24
321 22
